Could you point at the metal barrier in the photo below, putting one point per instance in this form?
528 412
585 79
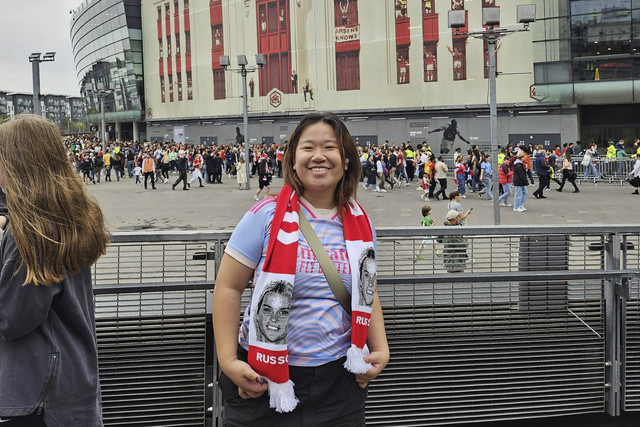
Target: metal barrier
612 172
615 172
509 338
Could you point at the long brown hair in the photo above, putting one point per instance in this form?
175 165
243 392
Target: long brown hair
348 185
58 229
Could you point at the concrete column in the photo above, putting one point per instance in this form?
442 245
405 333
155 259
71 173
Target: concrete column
136 131
118 131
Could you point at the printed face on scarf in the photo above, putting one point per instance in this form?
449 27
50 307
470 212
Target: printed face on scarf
367 282
273 316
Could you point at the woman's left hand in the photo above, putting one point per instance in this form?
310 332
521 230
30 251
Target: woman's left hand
379 360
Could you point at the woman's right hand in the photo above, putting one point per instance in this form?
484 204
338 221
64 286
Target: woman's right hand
250 384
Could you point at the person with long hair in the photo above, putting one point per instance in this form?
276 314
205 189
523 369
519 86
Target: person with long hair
318 368
53 233
520 182
590 155
568 173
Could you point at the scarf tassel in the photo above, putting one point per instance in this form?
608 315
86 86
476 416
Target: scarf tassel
355 360
281 396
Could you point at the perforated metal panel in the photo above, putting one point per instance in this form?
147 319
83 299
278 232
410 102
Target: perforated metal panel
151 351
466 352
152 345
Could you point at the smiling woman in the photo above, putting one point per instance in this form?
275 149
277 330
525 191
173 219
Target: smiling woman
322 141
295 336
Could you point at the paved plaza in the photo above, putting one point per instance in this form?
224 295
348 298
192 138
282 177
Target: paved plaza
128 207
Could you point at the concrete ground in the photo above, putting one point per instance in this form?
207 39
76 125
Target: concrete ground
128 207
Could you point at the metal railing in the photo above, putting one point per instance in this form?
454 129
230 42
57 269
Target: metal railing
613 172
544 321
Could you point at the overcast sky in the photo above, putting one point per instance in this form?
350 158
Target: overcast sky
28 26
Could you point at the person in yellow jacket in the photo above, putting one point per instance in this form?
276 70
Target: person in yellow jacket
410 156
611 152
149 170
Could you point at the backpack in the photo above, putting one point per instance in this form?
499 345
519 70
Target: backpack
393 161
99 162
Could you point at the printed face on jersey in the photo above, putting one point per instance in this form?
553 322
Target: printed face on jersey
318 161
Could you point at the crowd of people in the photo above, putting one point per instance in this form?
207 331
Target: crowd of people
385 167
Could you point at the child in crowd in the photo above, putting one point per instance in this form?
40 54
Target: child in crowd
427 222
426 184
454 204
137 171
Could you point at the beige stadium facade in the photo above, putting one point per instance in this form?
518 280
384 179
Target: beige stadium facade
397 94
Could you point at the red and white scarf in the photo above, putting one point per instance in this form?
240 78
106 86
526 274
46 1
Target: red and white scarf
270 313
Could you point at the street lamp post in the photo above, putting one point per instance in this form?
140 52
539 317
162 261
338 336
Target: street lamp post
491 18
102 93
36 59
243 69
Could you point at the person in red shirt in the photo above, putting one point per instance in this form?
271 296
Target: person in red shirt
197 172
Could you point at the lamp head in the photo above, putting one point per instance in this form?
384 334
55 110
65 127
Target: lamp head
491 16
242 60
457 18
526 14
224 61
261 59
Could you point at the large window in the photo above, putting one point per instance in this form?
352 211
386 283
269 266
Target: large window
217 49
274 41
347 43
348 70
598 38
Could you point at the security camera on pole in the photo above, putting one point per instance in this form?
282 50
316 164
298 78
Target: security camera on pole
491 18
243 69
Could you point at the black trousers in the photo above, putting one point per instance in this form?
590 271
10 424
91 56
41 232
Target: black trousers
443 188
328 394
182 177
432 187
148 175
568 177
543 182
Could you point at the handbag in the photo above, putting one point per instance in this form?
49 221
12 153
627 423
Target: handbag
585 162
328 269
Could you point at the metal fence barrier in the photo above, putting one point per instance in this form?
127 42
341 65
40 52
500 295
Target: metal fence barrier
544 321
612 172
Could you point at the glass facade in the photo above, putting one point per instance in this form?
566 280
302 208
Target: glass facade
106 37
586 53
588 41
